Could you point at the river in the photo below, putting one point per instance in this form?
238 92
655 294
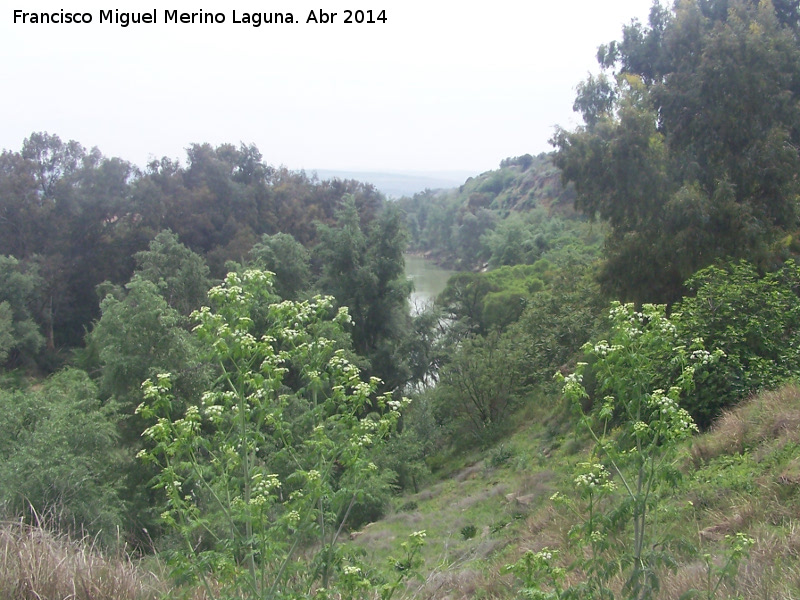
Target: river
429 281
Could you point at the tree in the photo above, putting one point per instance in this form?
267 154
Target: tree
76 224
365 272
558 321
6 331
180 274
283 255
54 160
463 298
22 213
20 338
482 302
467 234
138 336
690 149
481 385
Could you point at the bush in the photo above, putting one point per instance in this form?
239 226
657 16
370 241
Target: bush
481 387
756 322
57 456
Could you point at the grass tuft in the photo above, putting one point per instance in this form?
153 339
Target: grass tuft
37 564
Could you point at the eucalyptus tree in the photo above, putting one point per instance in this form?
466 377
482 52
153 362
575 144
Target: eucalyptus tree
689 147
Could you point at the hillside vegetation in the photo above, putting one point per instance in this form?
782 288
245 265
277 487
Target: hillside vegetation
212 385
742 476
512 215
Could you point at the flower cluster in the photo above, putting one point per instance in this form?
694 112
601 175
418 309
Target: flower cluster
595 476
675 422
262 486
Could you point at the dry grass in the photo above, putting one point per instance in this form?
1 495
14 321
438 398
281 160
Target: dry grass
453 584
36 564
771 571
772 417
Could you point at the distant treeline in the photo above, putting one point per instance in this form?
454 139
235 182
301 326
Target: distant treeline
75 217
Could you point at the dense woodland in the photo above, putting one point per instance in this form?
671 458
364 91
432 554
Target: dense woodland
212 363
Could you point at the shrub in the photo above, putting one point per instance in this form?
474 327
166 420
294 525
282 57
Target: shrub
262 479
57 455
482 386
468 532
756 322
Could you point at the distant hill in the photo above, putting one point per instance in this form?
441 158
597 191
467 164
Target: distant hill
516 214
397 185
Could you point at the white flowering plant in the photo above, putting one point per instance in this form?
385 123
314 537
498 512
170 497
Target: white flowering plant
261 478
541 578
641 375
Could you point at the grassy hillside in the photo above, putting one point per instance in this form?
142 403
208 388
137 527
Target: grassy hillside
743 476
521 183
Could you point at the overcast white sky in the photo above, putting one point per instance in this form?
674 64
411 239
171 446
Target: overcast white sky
443 85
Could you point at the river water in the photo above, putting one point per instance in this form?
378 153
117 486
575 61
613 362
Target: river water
429 281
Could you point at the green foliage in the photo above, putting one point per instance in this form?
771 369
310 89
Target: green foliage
6 330
80 218
538 317
261 479
481 386
493 300
405 453
641 375
364 271
20 337
689 148
500 455
408 563
524 238
738 549
354 583
524 162
288 259
558 321
463 299
180 274
754 319
468 532
495 182
512 243
466 227
58 456
136 337
426 348
537 572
